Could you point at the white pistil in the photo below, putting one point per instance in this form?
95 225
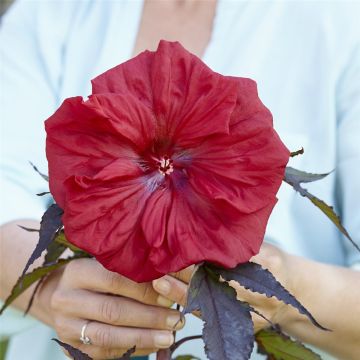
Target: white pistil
165 166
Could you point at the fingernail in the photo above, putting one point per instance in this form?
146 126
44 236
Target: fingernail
162 286
163 340
162 301
175 322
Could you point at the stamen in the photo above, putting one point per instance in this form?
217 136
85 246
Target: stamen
165 166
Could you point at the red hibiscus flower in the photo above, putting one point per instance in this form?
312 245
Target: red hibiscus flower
167 164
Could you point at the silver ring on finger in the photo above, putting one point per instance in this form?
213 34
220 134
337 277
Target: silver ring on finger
83 338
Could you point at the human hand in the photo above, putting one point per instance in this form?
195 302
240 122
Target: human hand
121 313
174 287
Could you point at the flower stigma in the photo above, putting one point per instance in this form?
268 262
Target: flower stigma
165 166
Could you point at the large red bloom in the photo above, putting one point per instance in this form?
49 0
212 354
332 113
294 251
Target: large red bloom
166 164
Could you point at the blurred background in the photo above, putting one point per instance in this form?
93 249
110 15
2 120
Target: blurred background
4 4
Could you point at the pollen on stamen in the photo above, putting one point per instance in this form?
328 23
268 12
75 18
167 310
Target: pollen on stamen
165 166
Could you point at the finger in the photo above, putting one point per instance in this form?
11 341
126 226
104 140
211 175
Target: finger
115 337
269 257
244 294
259 322
184 275
91 275
259 302
259 258
121 311
172 289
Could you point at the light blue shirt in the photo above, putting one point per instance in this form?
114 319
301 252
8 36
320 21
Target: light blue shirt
305 57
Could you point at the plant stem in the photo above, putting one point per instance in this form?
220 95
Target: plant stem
164 354
184 340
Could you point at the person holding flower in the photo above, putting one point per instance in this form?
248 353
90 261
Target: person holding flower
297 88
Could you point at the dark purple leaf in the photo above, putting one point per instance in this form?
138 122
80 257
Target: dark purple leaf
257 279
28 229
49 226
127 355
43 193
296 177
76 354
178 343
45 177
228 328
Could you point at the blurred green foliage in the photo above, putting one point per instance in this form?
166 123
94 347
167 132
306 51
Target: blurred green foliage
3 347
4 4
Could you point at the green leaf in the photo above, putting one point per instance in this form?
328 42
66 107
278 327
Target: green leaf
61 239
187 357
296 177
296 153
281 347
53 252
330 213
4 343
32 298
27 280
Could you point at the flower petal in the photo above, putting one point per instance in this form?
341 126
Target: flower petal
154 218
190 100
131 260
197 232
118 171
128 117
248 106
111 231
244 173
245 168
85 136
79 141
131 77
